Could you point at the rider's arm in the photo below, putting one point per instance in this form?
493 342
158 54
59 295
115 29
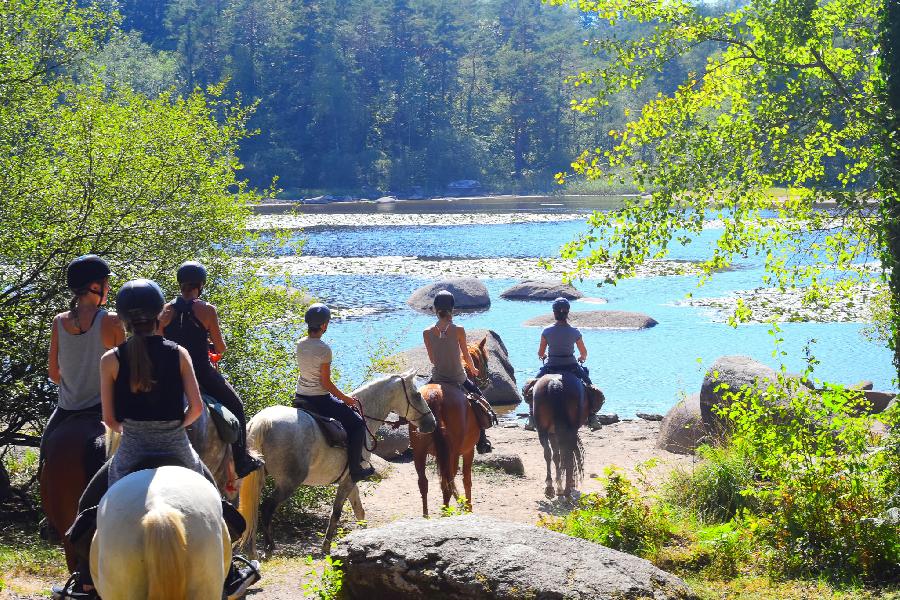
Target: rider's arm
109 369
464 351
325 380
427 339
191 388
165 318
582 351
112 331
542 349
53 359
215 331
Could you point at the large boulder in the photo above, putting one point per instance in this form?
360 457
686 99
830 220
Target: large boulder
501 388
469 293
392 441
879 400
727 375
682 429
542 290
479 558
598 319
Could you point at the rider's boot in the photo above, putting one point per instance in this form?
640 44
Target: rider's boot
242 574
233 520
355 440
244 462
594 422
484 445
73 589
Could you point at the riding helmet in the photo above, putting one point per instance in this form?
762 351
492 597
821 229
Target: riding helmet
85 270
444 300
560 308
140 300
317 315
191 272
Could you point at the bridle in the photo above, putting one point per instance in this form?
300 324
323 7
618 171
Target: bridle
394 424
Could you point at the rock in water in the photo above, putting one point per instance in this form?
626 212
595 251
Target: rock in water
502 387
542 290
479 558
598 319
682 429
649 416
469 293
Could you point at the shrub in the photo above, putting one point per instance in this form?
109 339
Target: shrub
618 518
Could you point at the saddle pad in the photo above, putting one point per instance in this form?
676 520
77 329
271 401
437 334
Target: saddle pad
226 423
334 432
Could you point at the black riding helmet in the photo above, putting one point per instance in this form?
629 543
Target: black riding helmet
561 308
191 272
85 270
140 300
444 300
317 315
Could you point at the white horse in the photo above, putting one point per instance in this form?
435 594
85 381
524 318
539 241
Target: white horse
296 453
160 534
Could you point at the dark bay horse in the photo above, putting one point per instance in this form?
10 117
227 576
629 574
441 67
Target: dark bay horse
72 454
454 437
562 404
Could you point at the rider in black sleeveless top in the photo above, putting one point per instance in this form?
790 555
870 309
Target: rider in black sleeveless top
181 323
162 403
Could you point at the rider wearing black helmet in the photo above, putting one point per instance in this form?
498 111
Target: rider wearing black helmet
194 325
557 350
78 339
451 363
143 384
314 387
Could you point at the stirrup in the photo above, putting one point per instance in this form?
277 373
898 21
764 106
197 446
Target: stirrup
68 590
240 579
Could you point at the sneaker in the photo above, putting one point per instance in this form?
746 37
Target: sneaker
361 474
247 464
61 592
241 576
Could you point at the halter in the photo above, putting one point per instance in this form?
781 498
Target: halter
395 424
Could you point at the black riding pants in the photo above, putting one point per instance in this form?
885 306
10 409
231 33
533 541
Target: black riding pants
576 369
213 383
329 406
81 534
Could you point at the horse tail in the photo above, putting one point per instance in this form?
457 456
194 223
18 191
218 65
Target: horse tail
578 462
441 446
252 484
165 552
113 439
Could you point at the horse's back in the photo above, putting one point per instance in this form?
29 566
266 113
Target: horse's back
560 400
118 554
454 417
294 447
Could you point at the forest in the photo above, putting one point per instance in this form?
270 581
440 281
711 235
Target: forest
399 96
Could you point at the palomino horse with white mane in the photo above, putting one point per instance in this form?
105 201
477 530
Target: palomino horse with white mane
160 534
296 453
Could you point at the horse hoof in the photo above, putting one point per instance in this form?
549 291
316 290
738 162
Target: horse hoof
550 493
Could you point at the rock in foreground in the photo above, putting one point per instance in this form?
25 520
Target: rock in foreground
542 290
469 294
598 319
502 387
474 558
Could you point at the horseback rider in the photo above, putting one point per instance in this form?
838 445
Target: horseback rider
194 325
557 351
78 339
315 388
143 385
449 356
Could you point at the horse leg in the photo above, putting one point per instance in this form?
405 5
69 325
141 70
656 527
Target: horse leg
449 486
419 457
568 462
267 512
337 508
358 510
543 436
554 444
468 458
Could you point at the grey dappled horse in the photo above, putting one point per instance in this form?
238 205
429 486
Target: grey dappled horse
296 453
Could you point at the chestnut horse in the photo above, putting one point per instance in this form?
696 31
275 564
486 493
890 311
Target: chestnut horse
562 404
455 435
72 454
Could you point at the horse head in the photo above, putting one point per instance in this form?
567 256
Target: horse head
411 406
479 355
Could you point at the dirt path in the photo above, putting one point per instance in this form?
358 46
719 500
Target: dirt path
627 445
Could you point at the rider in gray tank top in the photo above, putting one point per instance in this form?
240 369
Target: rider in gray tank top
448 366
79 365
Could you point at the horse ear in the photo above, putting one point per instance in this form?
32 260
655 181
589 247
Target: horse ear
483 343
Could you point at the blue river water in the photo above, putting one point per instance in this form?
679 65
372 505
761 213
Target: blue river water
639 371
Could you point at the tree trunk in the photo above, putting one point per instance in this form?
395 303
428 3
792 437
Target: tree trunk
889 178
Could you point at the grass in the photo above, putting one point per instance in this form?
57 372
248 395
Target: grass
763 588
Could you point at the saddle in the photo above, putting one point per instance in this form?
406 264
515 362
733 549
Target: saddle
594 395
226 423
485 415
334 432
